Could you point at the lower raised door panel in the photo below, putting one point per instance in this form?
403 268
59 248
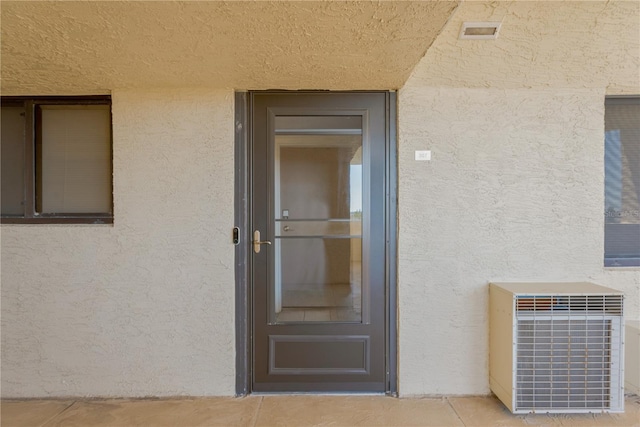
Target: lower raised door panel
318 354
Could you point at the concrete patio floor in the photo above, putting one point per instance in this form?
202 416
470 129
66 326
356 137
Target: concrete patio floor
295 410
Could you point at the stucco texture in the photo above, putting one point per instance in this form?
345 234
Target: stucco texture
146 306
514 190
541 44
94 46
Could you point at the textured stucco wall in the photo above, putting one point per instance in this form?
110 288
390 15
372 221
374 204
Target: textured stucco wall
515 188
143 307
514 192
541 44
92 46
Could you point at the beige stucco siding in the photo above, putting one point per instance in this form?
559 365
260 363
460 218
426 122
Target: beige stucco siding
541 44
83 47
143 307
514 190
513 193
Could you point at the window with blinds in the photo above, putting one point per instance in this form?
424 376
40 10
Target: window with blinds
56 160
622 182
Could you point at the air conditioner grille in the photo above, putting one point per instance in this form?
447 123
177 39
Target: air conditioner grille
563 363
556 347
610 304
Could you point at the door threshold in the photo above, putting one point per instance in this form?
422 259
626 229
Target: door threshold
312 393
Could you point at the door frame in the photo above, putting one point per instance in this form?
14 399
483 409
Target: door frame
243 212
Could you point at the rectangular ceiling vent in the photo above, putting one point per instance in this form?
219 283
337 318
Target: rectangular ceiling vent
480 30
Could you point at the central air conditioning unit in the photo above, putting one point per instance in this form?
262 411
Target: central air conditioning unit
556 347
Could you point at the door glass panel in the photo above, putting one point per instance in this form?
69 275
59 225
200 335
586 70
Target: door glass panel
318 219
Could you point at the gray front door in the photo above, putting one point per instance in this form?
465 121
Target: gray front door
319 196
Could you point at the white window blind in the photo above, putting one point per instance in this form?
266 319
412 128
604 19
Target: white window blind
75 159
622 182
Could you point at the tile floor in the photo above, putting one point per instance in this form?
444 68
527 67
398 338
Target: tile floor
295 410
321 303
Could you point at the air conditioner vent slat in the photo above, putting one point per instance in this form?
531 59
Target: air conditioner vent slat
611 304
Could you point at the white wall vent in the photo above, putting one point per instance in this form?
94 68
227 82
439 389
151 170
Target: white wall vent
556 347
480 30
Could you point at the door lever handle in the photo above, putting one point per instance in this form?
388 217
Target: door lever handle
257 242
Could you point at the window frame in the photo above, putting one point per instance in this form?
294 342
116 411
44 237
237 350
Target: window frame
30 105
611 261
